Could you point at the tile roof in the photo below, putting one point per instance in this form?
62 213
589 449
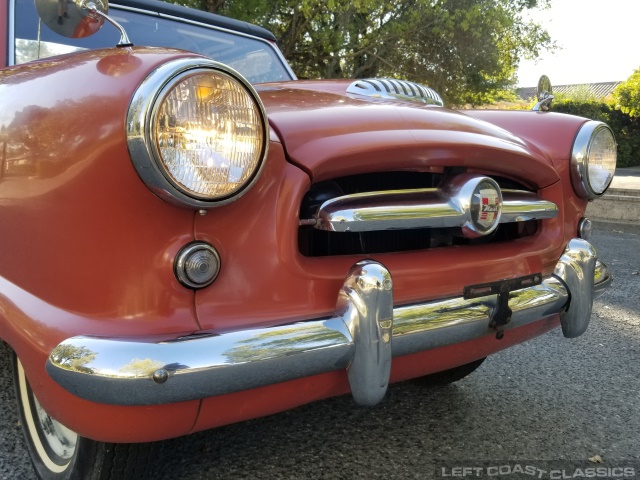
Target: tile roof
598 90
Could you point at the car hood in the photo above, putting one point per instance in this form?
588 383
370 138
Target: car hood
328 132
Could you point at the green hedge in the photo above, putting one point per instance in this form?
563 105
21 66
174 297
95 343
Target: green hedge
625 127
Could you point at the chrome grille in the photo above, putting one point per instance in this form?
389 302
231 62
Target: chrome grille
407 201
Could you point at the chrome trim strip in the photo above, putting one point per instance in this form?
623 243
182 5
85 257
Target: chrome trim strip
136 372
393 89
11 33
419 208
521 206
389 210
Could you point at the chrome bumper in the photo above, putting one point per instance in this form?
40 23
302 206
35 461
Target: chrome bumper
362 337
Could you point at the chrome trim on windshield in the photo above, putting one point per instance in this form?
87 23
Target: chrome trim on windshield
357 338
279 54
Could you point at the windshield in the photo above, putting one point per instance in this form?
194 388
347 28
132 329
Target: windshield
256 59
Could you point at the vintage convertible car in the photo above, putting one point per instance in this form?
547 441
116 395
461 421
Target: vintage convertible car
192 237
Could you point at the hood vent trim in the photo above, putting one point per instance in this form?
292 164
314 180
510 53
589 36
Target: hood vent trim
392 89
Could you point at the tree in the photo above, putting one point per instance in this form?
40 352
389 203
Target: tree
627 94
467 50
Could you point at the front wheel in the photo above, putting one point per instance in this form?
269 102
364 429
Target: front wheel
58 453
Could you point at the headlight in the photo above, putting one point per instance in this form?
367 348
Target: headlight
197 133
593 160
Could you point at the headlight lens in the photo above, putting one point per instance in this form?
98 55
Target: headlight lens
209 135
197 133
593 160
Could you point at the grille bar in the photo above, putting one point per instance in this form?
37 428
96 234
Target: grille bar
418 208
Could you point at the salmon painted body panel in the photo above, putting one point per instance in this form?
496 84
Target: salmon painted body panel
89 251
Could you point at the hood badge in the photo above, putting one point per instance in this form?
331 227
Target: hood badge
489 202
485 207
479 199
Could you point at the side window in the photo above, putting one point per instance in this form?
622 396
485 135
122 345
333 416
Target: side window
252 57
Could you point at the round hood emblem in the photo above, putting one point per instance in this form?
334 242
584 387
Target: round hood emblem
480 202
485 207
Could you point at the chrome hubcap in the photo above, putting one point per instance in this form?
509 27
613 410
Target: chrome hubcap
54 443
60 439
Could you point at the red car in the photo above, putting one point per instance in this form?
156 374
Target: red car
192 237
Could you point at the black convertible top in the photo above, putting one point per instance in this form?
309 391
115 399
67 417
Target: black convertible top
171 9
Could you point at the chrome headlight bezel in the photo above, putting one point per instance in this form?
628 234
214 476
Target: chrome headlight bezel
141 117
580 177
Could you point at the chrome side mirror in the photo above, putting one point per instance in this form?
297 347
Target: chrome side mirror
543 92
78 18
